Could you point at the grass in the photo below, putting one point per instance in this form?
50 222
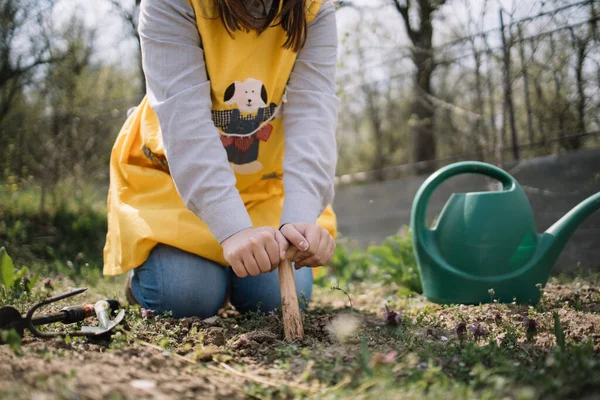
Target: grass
67 238
393 261
347 353
369 333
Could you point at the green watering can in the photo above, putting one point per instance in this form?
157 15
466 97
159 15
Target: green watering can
485 245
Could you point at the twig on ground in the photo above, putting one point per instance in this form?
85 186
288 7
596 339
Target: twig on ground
208 352
365 386
227 369
235 389
224 368
340 385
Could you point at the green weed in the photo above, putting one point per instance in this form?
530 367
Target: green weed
67 233
12 339
391 261
14 283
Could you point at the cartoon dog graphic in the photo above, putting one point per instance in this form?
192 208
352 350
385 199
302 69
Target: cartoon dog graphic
240 133
249 95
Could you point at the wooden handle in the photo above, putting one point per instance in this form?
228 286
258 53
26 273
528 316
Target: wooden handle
292 320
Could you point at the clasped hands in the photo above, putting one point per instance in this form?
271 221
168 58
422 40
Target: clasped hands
254 251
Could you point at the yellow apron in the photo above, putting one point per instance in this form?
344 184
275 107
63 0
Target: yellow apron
144 208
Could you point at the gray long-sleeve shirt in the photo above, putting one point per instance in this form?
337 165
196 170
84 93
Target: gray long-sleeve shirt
179 93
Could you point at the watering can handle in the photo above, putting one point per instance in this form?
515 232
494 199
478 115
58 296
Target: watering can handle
419 210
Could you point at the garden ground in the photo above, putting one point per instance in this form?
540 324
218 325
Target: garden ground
372 341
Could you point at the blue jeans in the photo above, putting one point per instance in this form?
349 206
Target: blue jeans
189 285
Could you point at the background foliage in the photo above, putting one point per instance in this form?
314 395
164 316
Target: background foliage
393 261
415 85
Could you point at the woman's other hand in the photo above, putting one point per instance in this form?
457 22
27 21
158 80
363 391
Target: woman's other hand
312 246
254 251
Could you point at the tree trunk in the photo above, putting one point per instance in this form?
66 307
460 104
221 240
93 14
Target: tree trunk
480 135
562 105
508 103
423 111
499 150
526 87
43 197
581 49
422 133
541 101
492 104
557 101
131 18
380 159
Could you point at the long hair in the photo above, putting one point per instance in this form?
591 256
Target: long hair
235 16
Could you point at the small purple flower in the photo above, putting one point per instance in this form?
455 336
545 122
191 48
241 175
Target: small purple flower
500 339
274 314
497 317
48 284
25 280
531 324
461 328
390 357
392 317
147 313
477 330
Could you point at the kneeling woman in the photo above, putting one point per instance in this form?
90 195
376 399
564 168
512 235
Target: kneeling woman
202 202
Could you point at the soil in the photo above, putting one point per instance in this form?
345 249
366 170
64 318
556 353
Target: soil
230 356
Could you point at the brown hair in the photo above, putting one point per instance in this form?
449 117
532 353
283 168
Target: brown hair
235 16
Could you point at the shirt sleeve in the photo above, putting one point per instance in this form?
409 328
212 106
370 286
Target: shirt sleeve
179 93
310 119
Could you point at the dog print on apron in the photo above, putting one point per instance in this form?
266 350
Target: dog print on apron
243 127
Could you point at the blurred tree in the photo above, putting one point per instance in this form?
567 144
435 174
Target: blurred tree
58 95
582 46
130 15
83 117
383 109
24 46
59 132
418 21
373 132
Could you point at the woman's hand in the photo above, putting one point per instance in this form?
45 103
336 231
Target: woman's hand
312 246
254 251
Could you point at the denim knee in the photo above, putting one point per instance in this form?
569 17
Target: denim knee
262 292
182 283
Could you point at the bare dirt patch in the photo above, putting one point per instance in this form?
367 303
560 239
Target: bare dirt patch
235 356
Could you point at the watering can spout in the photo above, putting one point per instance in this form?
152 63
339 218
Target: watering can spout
562 229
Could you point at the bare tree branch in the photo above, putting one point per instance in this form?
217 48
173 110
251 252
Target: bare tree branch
404 12
130 17
16 17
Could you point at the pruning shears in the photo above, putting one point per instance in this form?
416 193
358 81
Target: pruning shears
11 318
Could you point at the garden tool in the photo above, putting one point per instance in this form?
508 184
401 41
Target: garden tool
10 317
102 309
484 246
292 320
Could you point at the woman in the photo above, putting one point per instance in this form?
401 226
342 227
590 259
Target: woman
198 178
